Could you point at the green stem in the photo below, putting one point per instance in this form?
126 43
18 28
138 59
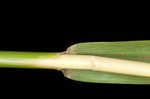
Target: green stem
12 59
64 61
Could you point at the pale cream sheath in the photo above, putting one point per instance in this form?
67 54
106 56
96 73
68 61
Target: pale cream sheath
96 63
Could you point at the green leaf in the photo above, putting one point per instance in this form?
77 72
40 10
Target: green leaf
129 50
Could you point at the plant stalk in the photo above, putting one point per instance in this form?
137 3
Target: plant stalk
65 61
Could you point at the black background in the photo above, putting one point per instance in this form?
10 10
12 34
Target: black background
44 31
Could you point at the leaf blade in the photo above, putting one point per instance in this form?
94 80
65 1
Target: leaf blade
130 50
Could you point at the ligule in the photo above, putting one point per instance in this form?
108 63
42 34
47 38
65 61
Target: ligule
129 50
